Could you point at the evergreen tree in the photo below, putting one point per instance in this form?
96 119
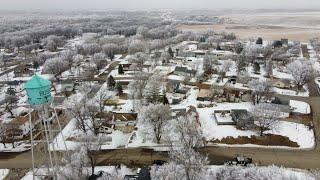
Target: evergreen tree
165 99
256 67
120 69
119 88
111 82
259 41
218 47
170 52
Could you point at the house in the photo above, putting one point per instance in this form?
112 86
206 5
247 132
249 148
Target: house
124 122
282 83
242 118
23 71
65 86
285 42
184 71
204 95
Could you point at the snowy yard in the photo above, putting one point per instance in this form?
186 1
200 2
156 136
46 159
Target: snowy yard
3 173
87 170
71 132
295 132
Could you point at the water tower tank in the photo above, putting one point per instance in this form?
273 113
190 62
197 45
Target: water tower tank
38 91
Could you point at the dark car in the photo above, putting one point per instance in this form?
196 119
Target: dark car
159 162
239 160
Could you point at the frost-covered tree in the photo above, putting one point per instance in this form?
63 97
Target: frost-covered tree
260 89
102 96
137 45
76 106
67 56
241 63
10 102
224 68
110 50
99 59
188 132
302 72
139 59
269 68
266 117
92 144
165 57
136 87
75 166
207 63
151 91
52 42
155 117
192 163
88 49
186 163
55 66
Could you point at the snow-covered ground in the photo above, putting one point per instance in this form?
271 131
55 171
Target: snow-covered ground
3 173
299 107
227 172
87 170
71 131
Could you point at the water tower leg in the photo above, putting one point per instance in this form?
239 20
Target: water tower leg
31 142
60 129
48 145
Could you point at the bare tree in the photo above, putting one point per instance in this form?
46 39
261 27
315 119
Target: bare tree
99 60
3 135
102 96
260 89
302 72
92 144
74 168
207 63
155 117
76 106
68 57
55 66
266 117
52 42
225 67
151 91
10 102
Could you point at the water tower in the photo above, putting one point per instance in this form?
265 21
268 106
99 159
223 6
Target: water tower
40 99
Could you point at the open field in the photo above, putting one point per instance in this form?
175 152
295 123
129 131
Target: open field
294 26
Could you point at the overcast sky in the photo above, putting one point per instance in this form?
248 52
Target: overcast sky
156 4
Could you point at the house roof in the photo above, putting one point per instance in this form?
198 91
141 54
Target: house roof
125 116
37 82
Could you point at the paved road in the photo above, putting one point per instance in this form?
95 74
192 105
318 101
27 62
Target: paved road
308 159
217 155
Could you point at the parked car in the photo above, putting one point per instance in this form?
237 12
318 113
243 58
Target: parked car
159 162
239 160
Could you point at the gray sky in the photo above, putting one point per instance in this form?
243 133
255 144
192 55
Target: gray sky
156 4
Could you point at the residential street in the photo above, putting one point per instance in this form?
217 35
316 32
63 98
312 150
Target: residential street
305 159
